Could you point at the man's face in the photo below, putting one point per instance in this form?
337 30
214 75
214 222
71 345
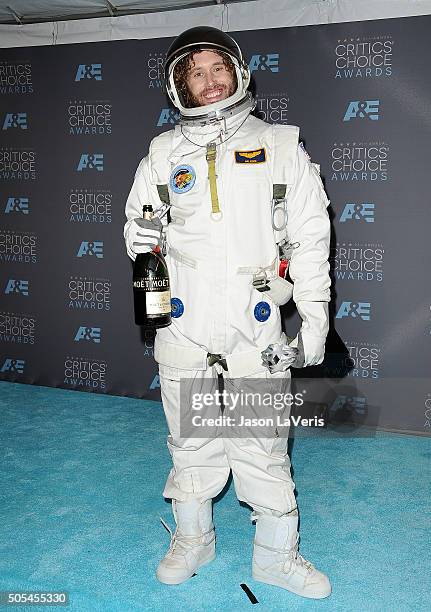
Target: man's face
209 80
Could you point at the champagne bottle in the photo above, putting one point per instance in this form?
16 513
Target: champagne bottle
151 290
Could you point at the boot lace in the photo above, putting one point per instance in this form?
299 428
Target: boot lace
291 556
180 545
297 559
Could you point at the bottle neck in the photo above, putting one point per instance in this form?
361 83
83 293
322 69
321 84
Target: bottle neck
147 212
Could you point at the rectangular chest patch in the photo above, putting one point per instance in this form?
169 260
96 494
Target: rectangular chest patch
250 157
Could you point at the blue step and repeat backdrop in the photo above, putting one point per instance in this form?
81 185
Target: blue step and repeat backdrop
76 119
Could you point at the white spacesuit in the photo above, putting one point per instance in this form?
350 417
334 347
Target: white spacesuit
233 182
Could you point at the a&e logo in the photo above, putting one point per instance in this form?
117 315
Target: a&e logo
264 62
89 71
17 286
15 366
168 115
355 310
15 120
358 109
358 212
19 205
91 334
90 161
155 383
90 248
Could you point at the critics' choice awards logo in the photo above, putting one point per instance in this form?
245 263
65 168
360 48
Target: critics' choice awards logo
363 57
148 339
353 161
18 247
87 72
265 61
90 249
86 293
17 164
13 366
364 360
362 109
17 328
88 334
84 372
17 205
90 161
356 261
16 286
155 66
89 117
358 212
15 78
168 116
15 121
90 206
355 310
272 107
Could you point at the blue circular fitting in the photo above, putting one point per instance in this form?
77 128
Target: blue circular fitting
177 307
262 310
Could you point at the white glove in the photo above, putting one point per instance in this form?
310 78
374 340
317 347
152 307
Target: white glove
311 348
314 329
279 357
142 236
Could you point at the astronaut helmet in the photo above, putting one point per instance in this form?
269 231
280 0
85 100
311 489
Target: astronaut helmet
181 58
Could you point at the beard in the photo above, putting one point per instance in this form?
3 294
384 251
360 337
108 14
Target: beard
228 90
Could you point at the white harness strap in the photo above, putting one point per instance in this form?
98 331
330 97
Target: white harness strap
284 149
183 258
239 364
256 269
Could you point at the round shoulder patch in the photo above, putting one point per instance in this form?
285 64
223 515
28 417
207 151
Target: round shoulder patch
182 178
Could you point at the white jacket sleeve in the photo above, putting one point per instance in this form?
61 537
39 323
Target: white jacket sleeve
309 226
142 192
137 198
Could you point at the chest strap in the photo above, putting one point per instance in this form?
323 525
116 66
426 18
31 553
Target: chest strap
211 155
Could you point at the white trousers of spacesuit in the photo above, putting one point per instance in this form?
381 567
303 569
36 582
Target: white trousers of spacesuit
201 465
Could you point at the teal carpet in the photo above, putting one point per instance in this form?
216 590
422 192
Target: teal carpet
81 481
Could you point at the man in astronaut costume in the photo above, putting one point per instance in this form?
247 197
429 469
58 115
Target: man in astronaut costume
223 168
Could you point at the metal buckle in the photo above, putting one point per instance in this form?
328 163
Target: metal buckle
211 152
286 248
217 358
260 281
276 205
164 246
